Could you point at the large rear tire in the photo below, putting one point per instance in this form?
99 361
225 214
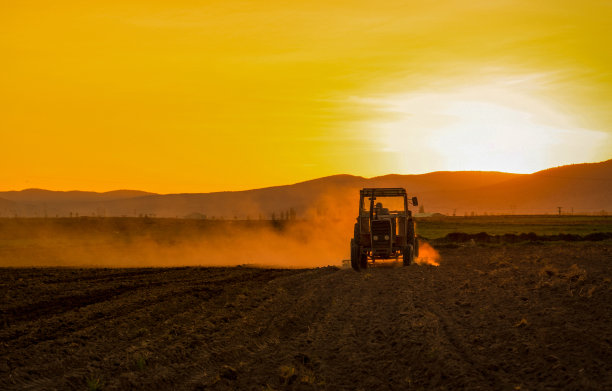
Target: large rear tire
354 255
408 255
363 260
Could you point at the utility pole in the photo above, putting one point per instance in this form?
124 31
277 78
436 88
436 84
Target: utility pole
559 207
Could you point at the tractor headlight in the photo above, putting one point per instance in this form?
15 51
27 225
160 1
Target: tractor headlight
386 237
375 237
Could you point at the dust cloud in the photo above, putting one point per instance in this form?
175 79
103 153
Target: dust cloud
427 255
319 237
295 245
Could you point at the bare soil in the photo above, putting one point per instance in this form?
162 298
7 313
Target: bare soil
529 316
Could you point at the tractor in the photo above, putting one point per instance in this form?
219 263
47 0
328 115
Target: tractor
384 232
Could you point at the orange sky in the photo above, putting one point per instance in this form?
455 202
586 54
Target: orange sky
192 96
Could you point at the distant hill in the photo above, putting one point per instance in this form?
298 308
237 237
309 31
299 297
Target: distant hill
585 188
579 187
4 203
40 195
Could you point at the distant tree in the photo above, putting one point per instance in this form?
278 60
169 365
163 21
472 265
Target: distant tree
422 209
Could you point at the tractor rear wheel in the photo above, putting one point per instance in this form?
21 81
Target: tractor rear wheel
354 255
363 260
408 255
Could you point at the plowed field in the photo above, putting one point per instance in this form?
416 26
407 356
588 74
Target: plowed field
497 317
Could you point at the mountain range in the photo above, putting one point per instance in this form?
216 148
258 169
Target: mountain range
578 188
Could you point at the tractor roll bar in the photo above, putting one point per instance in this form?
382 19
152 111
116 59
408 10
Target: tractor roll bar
383 192
388 192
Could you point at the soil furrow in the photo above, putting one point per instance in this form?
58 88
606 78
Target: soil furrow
495 317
